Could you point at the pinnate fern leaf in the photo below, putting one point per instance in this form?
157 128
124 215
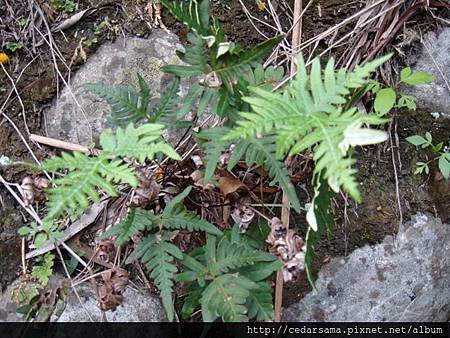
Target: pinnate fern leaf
259 302
185 220
213 148
86 175
262 151
233 65
136 222
194 15
310 113
127 104
136 142
225 297
158 254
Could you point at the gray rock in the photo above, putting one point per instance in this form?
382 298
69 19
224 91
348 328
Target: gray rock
406 278
8 308
434 97
78 115
136 307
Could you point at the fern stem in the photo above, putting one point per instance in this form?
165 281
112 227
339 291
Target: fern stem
285 209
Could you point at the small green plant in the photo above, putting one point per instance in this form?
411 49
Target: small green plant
23 22
388 98
44 269
441 153
65 6
13 46
229 278
99 28
85 175
90 42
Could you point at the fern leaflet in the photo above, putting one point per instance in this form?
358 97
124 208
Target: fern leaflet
225 297
157 253
127 104
261 151
136 221
259 302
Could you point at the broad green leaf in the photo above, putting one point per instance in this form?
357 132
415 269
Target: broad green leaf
416 140
444 166
405 73
407 101
384 101
418 78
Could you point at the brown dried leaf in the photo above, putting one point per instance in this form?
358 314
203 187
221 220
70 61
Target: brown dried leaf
229 185
107 299
33 189
286 244
148 189
110 293
106 250
242 214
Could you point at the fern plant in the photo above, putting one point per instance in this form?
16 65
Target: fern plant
87 175
229 279
312 112
156 251
219 63
131 105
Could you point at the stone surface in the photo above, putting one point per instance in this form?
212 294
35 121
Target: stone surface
406 278
136 307
434 58
8 308
78 115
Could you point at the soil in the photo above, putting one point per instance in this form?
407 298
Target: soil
356 226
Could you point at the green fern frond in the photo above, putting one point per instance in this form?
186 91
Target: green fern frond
184 220
136 222
225 274
259 302
262 152
168 102
231 66
136 142
213 148
225 297
224 256
195 16
309 114
86 175
264 78
195 56
157 254
127 104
